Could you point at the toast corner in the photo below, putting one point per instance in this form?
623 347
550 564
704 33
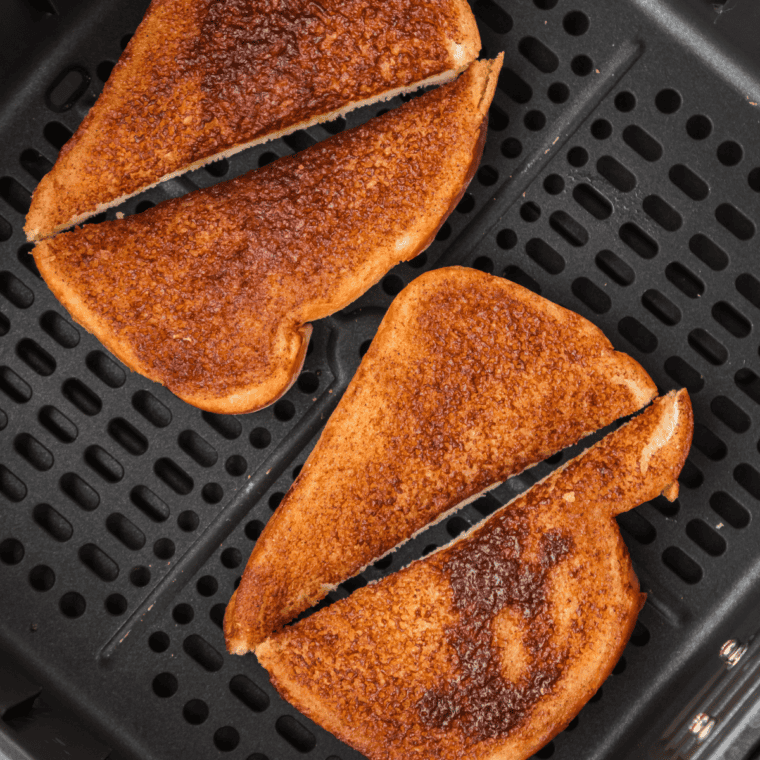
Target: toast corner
464 41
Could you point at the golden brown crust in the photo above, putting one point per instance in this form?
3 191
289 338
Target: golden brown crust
489 647
469 380
211 294
202 79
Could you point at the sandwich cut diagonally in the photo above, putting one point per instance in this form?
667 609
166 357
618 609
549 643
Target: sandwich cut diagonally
470 380
487 648
212 294
203 79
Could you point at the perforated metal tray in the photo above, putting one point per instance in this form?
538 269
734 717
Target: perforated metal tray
621 179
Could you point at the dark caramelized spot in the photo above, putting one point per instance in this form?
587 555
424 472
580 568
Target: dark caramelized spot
254 57
486 647
486 577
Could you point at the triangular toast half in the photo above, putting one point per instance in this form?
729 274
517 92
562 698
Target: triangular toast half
203 79
212 294
489 647
469 380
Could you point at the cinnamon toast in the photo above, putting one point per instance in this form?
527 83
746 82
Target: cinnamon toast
489 647
212 294
470 380
204 79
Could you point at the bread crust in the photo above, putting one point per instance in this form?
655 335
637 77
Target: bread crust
489 647
168 106
469 380
212 294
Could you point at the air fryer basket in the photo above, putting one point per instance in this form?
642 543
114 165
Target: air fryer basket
621 179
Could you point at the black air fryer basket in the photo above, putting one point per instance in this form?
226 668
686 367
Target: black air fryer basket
621 179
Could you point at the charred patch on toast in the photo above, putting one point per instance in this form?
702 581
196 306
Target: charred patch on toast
253 59
499 571
490 646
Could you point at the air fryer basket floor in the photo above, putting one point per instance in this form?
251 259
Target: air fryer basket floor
621 179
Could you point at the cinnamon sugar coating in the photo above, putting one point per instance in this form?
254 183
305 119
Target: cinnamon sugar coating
208 294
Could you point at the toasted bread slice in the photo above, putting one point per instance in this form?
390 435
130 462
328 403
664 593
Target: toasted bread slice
200 81
469 380
489 647
212 294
